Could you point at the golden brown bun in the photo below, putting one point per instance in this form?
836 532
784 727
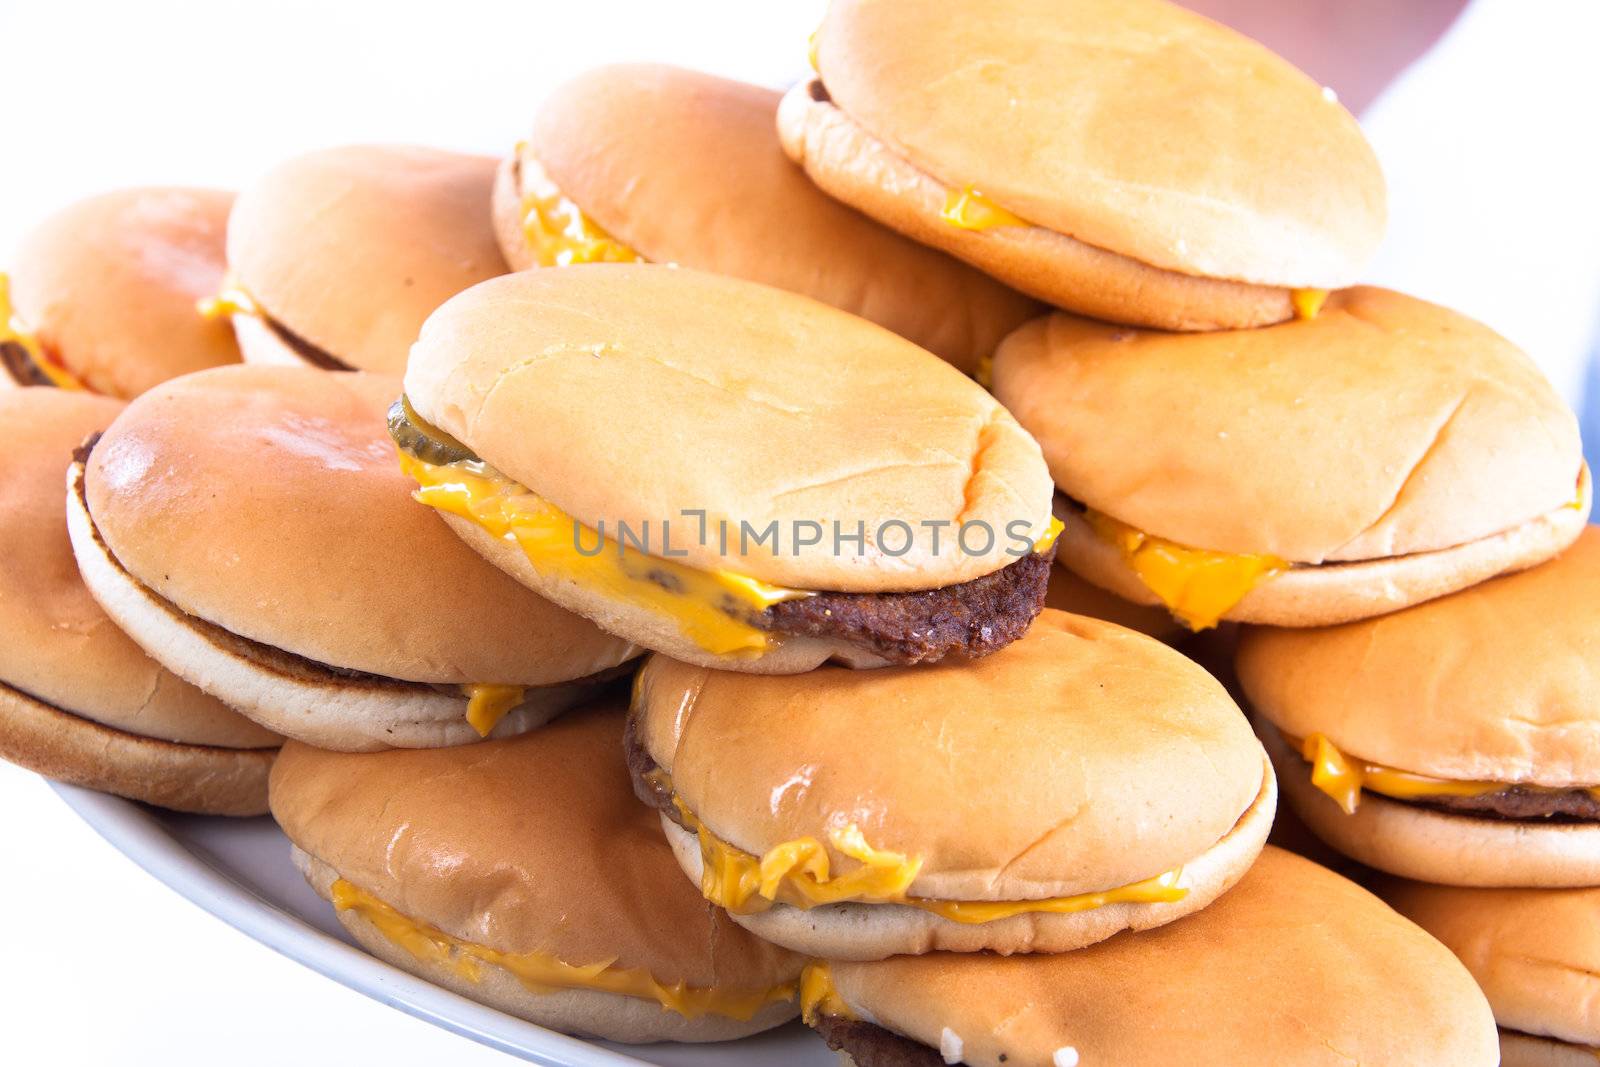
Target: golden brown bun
1495 683
847 162
56 644
1328 594
1082 757
876 931
630 392
1383 427
268 501
69 748
1067 592
1294 966
1521 1050
1534 952
686 168
1437 846
109 286
351 248
570 863
1053 111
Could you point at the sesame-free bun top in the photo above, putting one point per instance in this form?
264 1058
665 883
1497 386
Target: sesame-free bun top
1294 965
1131 125
1383 426
267 500
630 393
109 285
1081 757
686 168
55 643
528 844
1495 683
1535 952
351 248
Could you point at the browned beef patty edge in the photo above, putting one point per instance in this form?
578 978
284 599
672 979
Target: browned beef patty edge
871 1045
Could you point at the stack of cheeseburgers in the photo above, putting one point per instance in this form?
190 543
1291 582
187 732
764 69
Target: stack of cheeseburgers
753 407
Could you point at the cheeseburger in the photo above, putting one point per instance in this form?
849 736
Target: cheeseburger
104 293
731 474
1535 952
250 528
1124 159
1454 742
1082 781
655 163
1295 966
562 907
336 257
79 702
1383 453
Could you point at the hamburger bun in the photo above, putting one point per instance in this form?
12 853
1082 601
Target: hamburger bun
1067 592
251 528
568 867
108 286
684 167
79 701
1385 452
1492 684
1534 952
1081 759
1263 182
1295 965
344 252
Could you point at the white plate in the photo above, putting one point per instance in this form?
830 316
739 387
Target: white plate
239 871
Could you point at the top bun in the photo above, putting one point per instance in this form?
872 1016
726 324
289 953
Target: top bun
351 248
544 850
631 393
1081 757
1383 426
267 500
1535 952
1295 965
1495 683
686 168
55 642
1132 125
109 285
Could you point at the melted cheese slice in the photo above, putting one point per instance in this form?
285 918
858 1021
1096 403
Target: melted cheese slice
711 608
557 230
967 209
543 973
819 996
1197 585
1343 778
232 299
488 704
12 330
798 873
1307 302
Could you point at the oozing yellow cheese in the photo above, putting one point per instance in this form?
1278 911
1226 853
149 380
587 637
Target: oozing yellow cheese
231 299
1197 585
711 608
488 704
1307 302
1343 778
543 973
818 996
968 209
12 330
557 230
798 873
811 50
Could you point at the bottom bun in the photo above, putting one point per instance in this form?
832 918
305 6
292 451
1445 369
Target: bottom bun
1331 593
345 711
863 932
1436 846
650 629
201 779
581 1012
1526 1050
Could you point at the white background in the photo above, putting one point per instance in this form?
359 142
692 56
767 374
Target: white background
1492 167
